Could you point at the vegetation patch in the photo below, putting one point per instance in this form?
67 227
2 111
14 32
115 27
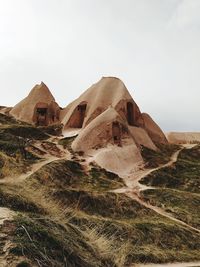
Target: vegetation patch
67 141
86 238
13 198
161 156
10 166
183 205
48 243
192 154
15 139
25 131
65 173
55 129
182 175
8 120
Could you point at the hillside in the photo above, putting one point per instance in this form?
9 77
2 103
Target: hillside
60 208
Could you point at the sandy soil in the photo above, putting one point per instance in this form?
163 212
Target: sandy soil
5 214
119 160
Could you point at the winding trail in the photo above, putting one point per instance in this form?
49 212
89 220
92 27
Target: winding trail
36 166
133 189
23 176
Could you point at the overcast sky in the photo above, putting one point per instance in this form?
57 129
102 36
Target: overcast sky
152 45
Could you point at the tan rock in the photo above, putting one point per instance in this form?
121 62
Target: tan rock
39 107
153 130
141 137
109 91
101 109
108 127
105 114
183 137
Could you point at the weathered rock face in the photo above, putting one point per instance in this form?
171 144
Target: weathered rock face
106 113
109 91
107 128
153 130
39 107
108 123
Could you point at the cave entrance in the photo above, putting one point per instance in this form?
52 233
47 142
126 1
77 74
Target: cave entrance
116 133
130 113
81 115
41 116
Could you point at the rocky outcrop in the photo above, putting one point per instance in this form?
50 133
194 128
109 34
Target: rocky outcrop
104 114
39 107
109 98
153 130
109 91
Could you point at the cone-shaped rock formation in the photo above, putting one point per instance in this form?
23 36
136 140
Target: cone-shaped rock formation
39 107
109 91
106 113
107 120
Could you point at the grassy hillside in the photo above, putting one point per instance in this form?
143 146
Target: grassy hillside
67 215
94 226
177 188
183 175
161 156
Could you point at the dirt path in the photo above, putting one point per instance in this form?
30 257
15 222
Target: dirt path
53 153
34 168
23 176
132 180
134 188
160 211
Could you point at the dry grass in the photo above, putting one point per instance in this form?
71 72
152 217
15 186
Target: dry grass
12 166
73 220
108 246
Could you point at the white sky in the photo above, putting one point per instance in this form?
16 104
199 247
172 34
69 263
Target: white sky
152 45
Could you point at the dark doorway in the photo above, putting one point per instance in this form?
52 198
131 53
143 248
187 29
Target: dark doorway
130 113
41 116
81 115
116 132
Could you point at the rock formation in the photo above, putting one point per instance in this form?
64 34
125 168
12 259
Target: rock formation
107 120
109 91
110 126
106 113
153 129
183 137
38 108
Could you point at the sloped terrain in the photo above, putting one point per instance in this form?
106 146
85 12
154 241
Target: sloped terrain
67 212
177 188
